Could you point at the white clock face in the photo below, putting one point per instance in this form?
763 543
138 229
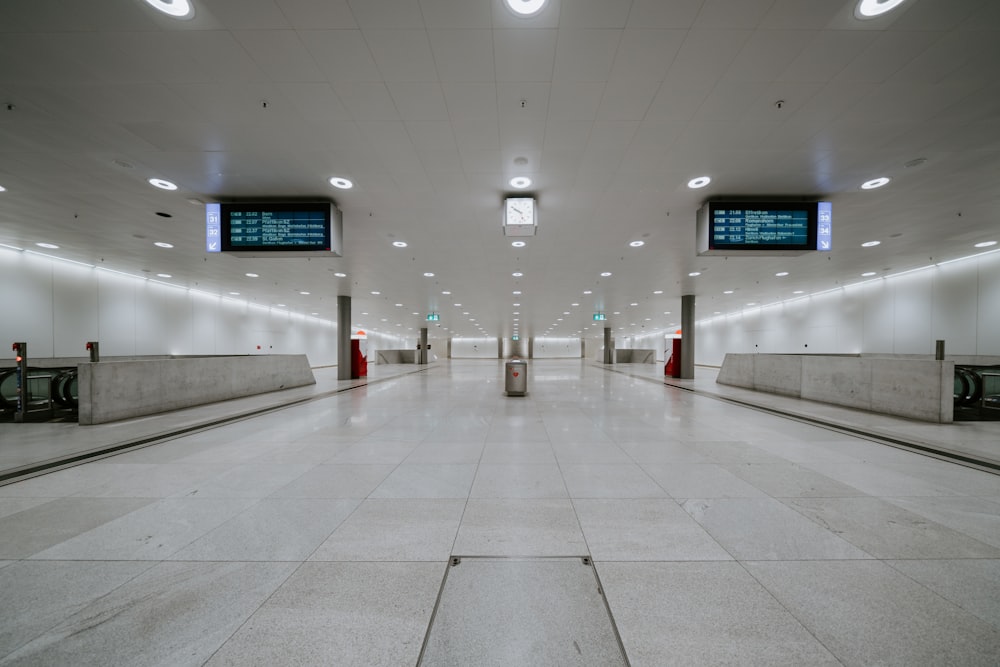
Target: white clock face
520 211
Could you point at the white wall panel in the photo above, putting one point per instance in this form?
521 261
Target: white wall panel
75 309
117 320
988 324
879 322
955 302
913 313
26 295
474 348
555 348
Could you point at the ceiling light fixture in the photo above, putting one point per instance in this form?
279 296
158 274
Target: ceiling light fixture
658 291
178 9
376 293
798 291
695 274
162 184
3 189
340 275
304 293
163 244
399 244
728 291
50 246
252 275
525 7
870 244
428 274
781 274
868 274
341 183
875 183
699 182
518 244
520 182
637 244
869 9
587 291
605 274
985 244
163 275
517 274
516 293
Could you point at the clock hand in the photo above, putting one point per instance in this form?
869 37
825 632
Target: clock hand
516 210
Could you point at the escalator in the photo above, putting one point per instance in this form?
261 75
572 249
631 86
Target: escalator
51 394
977 393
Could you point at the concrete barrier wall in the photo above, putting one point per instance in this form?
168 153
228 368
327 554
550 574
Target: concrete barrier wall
906 387
634 356
396 356
113 390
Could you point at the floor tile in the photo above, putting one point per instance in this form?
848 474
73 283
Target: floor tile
402 530
374 452
973 585
10 506
335 481
663 452
182 612
39 595
340 614
446 452
703 614
427 480
700 480
273 529
735 451
252 480
875 480
38 528
961 480
520 527
788 480
976 517
764 529
153 532
610 481
885 530
644 530
154 480
568 453
518 452
867 613
515 480
63 482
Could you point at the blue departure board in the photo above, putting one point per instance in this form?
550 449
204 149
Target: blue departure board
764 227
285 229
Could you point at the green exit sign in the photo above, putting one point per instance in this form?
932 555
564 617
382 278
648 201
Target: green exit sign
515 337
599 317
433 317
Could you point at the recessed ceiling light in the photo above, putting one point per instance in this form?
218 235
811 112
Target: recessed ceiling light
798 291
666 312
280 305
376 293
446 293
163 275
304 293
637 244
364 313
616 313
340 275
314 313
520 182
517 305
699 182
399 244
752 303
728 291
525 7
517 274
658 291
574 304
694 274
985 244
875 183
869 9
587 291
516 293
605 274
252 275
50 246
428 274
341 183
781 274
870 244
458 305
3 189
565 312
234 294
518 244
559 319
868 274
414 313
179 9
163 244
399 305
633 304
162 184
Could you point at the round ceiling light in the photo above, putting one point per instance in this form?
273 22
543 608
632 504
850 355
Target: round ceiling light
399 244
781 274
340 275
520 182
162 184
868 274
637 244
163 275
695 274
870 244
518 244
985 244
50 246
875 183
304 293
163 244
517 274
605 274
869 9
342 183
525 7
376 293
179 9
699 182
428 274
3 189
252 275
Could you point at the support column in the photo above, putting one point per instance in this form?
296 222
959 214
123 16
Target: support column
583 347
499 347
531 347
609 353
344 338
687 337
449 347
422 353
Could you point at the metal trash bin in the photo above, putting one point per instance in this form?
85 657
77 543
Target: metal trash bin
516 377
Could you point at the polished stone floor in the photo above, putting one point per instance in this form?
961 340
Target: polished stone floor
321 535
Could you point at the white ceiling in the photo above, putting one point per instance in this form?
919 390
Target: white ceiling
419 102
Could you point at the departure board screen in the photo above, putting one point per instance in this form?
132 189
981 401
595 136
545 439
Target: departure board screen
761 226
287 227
